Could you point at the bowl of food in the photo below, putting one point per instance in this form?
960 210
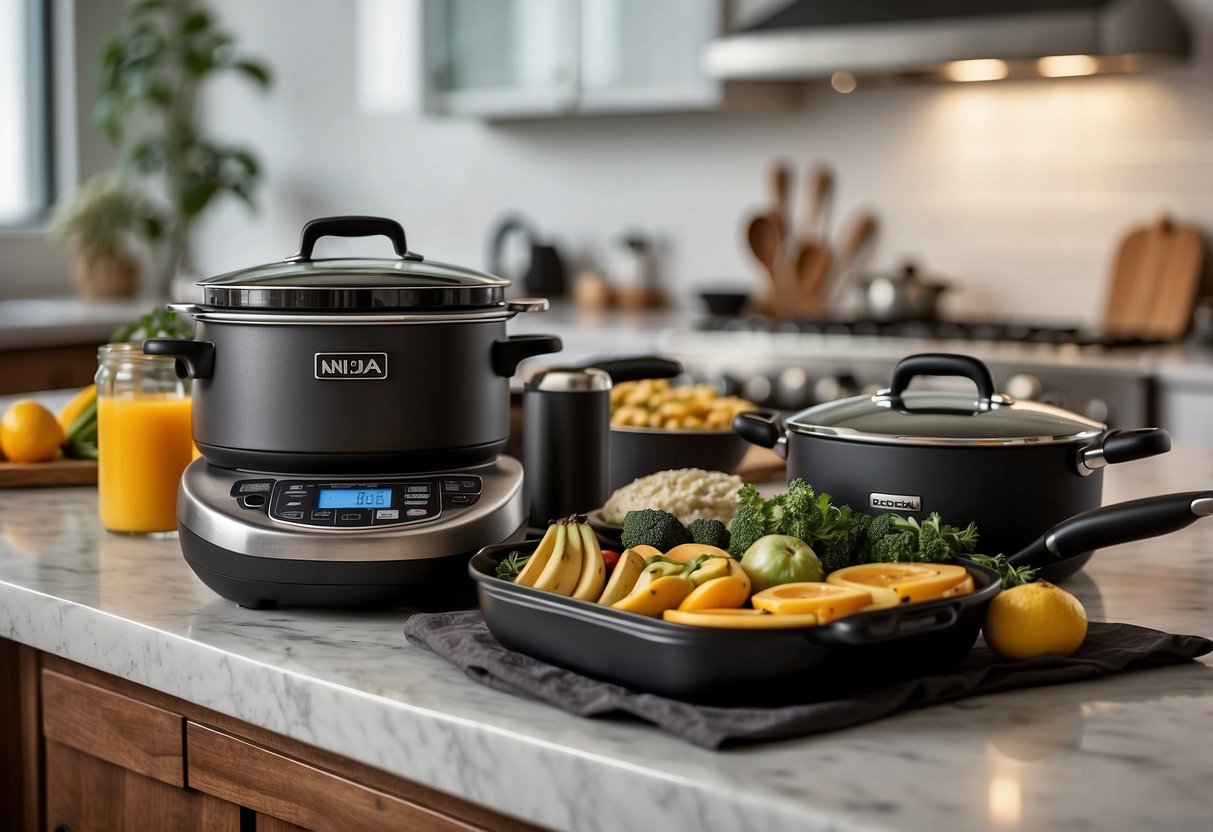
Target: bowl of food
690 494
657 427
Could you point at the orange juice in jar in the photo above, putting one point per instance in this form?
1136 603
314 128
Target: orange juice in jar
144 440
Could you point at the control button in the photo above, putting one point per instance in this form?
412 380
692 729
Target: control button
252 487
468 485
252 501
461 499
291 515
416 512
323 516
416 502
387 514
294 503
354 518
417 489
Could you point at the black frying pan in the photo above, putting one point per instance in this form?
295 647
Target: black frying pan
772 666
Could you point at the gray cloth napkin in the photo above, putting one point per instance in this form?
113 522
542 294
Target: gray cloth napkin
463 639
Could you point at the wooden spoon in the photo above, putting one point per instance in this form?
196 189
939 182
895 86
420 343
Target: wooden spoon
781 186
812 264
766 242
862 233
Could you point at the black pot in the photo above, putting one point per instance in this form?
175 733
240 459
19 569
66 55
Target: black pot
352 365
1015 468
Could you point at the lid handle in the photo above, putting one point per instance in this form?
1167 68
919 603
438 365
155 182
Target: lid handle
352 226
942 364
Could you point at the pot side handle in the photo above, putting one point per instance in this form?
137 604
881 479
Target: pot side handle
1123 446
508 353
197 358
1116 524
763 428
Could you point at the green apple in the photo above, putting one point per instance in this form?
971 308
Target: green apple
780 559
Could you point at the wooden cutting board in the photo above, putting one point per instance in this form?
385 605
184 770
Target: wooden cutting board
45 474
1155 282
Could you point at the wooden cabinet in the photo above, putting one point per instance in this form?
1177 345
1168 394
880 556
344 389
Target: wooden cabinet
87 752
86 794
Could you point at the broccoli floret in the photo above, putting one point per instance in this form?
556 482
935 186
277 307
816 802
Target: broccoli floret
895 548
834 553
710 533
750 522
651 527
892 538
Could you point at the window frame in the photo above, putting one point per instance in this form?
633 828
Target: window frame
40 113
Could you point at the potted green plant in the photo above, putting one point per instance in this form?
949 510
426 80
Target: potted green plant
98 222
151 73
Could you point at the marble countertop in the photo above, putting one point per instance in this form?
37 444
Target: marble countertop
1131 752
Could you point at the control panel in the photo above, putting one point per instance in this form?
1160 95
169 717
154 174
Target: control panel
357 504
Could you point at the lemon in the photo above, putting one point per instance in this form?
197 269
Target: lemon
1034 619
29 432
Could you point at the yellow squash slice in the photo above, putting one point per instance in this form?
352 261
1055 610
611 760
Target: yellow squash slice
739 619
660 595
963 588
900 583
826 601
726 592
689 551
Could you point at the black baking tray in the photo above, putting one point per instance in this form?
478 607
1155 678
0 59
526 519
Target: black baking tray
720 666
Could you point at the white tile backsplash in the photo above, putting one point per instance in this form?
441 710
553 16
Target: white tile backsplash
1018 191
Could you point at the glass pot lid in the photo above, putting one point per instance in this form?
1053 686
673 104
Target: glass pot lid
408 282
940 417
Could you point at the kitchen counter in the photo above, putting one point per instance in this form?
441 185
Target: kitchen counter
1132 752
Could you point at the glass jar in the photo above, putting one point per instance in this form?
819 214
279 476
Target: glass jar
144 439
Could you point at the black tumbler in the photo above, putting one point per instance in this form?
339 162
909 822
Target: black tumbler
566 414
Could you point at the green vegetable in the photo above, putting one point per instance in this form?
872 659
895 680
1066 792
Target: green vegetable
710 533
651 527
1011 575
159 323
509 566
892 538
835 533
81 441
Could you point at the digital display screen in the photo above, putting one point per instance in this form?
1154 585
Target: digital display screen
354 498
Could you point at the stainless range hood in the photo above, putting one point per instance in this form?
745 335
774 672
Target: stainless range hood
948 39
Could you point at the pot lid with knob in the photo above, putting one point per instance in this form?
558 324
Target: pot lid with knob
406 283
940 417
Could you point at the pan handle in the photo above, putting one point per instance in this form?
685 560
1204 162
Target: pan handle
635 369
1123 446
763 428
896 623
1115 524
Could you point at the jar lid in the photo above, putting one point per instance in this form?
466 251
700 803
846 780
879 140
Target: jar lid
408 282
931 417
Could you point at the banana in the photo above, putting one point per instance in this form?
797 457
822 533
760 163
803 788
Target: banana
593 567
553 539
623 577
564 567
652 600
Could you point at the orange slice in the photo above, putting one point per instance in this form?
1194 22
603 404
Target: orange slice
826 601
903 583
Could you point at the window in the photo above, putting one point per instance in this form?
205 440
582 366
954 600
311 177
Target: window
24 112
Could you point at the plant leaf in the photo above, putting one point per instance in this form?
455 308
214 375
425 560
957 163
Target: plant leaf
254 71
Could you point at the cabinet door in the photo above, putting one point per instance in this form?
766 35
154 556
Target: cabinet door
640 54
501 57
85 794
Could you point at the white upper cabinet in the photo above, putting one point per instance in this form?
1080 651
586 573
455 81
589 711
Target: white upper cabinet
520 58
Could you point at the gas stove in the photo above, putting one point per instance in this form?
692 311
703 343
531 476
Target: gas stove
790 364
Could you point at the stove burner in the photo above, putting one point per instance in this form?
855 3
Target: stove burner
945 330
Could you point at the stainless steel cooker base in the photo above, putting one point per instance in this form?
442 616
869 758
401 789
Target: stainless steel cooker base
261 540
